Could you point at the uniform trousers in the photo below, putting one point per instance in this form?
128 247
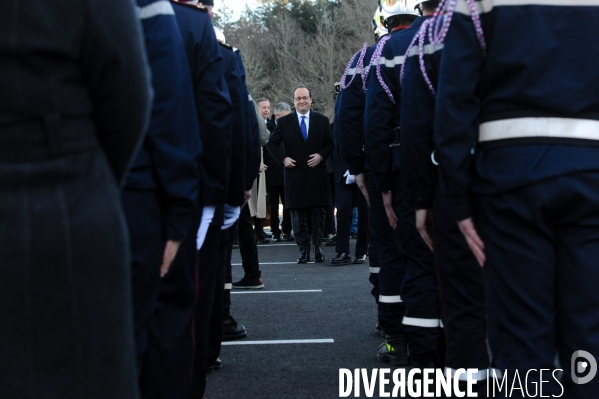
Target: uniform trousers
541 274
169 358
302 235
419 288
210 284
144 215
222 296
346 196
461 291
391 264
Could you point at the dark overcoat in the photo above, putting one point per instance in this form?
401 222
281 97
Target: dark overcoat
75 97
304 186
275 172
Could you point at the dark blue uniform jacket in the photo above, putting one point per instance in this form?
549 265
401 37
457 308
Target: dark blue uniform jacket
238 93
417 119
536 90
349 117
167 160
382 113
212 100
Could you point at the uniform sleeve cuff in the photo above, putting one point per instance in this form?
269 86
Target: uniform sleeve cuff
422 199
384 184
356 167
461 208
177 228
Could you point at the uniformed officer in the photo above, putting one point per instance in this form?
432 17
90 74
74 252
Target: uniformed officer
347 196
526 196
350 122
172 362
161 189
222 325
408 293
460 279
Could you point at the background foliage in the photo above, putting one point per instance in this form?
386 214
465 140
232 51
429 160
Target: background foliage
285 43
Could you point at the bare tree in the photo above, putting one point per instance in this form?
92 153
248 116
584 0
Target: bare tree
279 54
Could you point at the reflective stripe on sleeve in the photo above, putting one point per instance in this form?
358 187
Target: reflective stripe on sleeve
418 322
152 10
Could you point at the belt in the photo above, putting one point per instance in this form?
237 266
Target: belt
51 136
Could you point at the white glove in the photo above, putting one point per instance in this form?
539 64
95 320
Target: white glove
207 216
349 179
231 216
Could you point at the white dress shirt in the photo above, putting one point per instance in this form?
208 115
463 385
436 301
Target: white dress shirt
306 121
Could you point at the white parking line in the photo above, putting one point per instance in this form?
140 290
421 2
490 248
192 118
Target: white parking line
274 244
282 341
272 263
272 292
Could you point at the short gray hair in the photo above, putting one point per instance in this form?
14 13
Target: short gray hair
280 107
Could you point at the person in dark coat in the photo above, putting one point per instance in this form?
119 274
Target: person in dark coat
308 143
74 105
275 186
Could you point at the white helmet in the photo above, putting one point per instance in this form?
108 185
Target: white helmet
389 8
220 36
377 24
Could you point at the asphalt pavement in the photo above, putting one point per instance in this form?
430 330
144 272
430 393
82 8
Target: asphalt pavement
308 322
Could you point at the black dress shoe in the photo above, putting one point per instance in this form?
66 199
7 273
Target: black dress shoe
290 237
218 364
232 330
304 257
327 237
332 243
341 258
262 241
318 254
358 260
276 238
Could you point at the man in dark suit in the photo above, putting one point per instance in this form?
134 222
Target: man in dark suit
306 136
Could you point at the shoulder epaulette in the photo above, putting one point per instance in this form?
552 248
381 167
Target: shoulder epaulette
198 7
226 45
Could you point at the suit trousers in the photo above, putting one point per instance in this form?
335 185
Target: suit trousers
247 244
274 193
541 273
346 196
300 229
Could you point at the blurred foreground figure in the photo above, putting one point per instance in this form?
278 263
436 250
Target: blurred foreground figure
75 99
516 138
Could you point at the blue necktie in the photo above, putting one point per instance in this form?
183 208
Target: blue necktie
304 129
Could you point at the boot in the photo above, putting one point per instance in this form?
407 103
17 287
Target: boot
394 350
